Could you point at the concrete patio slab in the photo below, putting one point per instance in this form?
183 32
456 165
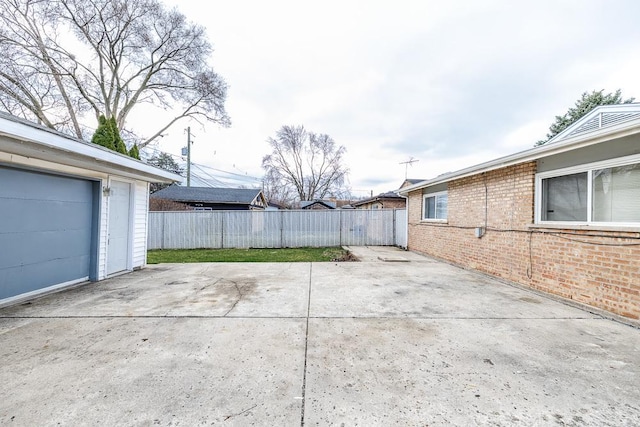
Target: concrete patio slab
201 290
151 371
365 343
424 290
470 372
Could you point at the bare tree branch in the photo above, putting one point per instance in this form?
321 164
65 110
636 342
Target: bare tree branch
304 164
125 53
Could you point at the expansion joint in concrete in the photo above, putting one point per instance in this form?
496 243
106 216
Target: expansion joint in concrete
306 348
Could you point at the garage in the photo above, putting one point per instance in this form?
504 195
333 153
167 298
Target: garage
70 211
47 228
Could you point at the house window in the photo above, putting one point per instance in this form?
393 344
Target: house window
606 192
565 198
616 194
435 206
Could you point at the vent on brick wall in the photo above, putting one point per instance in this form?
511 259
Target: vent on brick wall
603 120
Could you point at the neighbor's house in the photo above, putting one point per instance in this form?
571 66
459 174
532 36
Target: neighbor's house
208 199
70 211
563 218
315 205
411 181
389 200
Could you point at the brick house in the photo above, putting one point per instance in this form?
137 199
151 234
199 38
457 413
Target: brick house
389 200
563 218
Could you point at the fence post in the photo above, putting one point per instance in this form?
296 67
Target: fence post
281 213
340 225
395 240
162 244
222 230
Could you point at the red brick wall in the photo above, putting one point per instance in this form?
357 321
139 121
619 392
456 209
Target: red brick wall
393 204
576 264
386 204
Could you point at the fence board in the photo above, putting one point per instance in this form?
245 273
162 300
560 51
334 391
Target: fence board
275 229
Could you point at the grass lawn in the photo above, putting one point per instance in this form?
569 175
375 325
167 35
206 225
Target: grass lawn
160 256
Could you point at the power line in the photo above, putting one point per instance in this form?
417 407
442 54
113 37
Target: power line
234 174
218 180
207 174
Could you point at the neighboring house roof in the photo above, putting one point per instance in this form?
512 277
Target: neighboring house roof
410 181
308 204
275 205
231 196
27 139
390 195
601 124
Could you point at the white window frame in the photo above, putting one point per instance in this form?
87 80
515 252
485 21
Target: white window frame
589 168
424 201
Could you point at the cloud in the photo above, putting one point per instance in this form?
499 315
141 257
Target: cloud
449 83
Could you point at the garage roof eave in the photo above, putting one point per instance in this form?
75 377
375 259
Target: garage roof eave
34 141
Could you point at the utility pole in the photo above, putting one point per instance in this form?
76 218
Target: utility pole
406 165
189 156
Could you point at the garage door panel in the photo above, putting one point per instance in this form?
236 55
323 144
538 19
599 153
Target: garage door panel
46 229
27 215
49 247
41 275
61 188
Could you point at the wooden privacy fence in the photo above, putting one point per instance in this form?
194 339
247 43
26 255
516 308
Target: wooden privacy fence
276 229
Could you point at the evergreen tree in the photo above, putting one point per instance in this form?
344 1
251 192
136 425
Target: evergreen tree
108 135
120 146
134 152
586 103
104 134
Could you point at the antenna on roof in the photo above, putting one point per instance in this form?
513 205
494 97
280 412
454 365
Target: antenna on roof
406 164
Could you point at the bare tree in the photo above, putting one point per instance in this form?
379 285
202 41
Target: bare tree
275 192
164 161
304 164
124 53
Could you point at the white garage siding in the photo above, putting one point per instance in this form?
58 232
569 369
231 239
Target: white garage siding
141 213
56 163
104 230
140 205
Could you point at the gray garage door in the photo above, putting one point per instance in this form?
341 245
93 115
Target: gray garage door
46 224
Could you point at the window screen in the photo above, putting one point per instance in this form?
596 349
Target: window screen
435 207
564 198
616 194
430 207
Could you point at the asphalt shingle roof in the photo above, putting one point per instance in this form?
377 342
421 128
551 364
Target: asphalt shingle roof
207 194
387 195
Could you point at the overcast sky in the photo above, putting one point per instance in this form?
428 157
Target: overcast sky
451 84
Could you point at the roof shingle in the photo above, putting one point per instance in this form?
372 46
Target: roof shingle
207 194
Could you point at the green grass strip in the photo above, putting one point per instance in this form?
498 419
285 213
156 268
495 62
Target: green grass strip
325 254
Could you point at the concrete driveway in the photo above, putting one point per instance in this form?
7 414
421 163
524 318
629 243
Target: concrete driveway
417 343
